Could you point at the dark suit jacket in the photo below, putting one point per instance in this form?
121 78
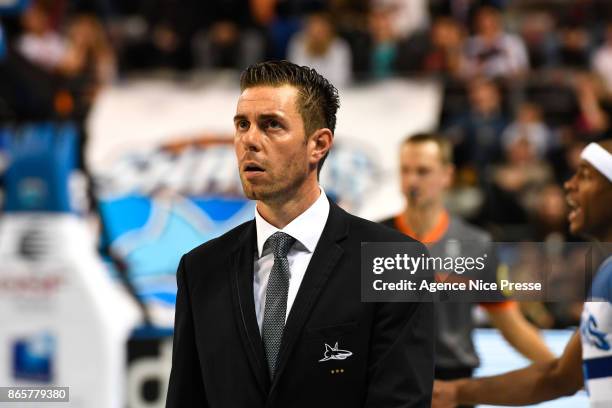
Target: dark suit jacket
218 358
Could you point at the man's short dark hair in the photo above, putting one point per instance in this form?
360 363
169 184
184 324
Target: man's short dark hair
444 145
318 99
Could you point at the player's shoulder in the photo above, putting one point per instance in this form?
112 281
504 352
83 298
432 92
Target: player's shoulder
606 267
601 288
461 229
376 231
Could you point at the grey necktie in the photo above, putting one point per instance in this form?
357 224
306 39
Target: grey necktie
276 298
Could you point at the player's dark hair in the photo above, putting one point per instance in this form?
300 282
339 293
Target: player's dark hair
318 99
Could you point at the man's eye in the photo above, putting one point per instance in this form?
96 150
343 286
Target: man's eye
274 124
242 124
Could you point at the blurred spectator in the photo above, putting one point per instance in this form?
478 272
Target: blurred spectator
538 32
491 51
284 22
226 45
549 215
263 11
26 91
49 75
407 16
447 40
584 13
90 53
383 43
318 47
522 173
460 10
349 16
573 51
593 122
529 125
438 50
229 33
512 190
376 49
158 33
554 93
84 48
477 133
40 43
602 60
566 157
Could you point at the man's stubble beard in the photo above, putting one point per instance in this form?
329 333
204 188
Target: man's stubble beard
270 193
421 204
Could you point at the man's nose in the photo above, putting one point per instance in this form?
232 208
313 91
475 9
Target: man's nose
569 184
411 179
251 139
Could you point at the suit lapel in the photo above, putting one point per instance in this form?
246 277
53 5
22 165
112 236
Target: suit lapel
241 276
324 259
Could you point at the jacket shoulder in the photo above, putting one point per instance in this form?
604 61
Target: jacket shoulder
217 247
388 222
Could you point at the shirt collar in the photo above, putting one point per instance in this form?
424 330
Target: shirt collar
306 228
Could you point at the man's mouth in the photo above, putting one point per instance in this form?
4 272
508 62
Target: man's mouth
575 209
413 193
252 168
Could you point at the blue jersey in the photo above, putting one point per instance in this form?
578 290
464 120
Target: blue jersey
596 335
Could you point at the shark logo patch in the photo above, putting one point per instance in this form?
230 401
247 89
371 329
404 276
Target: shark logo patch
334 353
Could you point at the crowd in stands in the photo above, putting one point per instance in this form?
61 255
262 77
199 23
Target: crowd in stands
527 83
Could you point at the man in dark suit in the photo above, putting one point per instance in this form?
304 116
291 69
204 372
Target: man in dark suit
270 314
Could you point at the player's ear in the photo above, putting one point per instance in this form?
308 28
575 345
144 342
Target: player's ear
449 174
319 144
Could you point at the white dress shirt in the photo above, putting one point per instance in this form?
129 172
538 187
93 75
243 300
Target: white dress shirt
306 228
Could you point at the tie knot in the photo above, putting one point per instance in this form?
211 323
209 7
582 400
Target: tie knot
280 244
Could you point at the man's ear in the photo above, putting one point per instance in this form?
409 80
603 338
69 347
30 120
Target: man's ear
319 143
449 175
